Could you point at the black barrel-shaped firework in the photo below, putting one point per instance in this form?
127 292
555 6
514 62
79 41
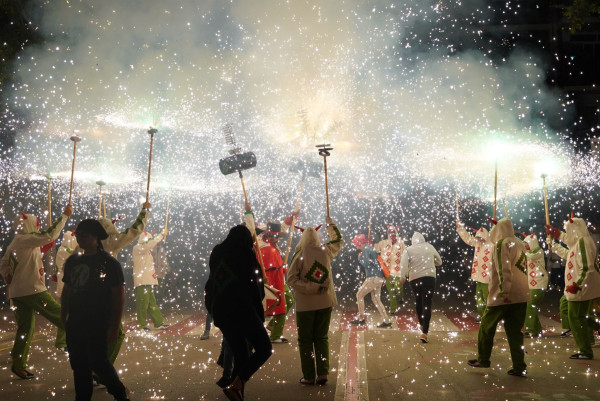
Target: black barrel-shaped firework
237 162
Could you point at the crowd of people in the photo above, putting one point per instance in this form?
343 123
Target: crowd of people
249 281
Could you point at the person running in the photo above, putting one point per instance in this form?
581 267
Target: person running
418 264
22 270
374 280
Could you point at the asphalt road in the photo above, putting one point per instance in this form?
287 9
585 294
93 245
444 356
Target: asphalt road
366 363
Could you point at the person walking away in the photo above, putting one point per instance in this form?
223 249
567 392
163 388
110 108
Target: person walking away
418 265
311 278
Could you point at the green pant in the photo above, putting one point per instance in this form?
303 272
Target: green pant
115 346
313 342
579 320
145 302
395 291
481 294
514 317
277 323
532 320
564 313
25 308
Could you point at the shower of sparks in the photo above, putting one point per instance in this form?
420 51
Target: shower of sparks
416 99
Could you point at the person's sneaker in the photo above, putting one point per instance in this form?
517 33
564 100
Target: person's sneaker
163 326
146 329
384 325
566 334
581 356
206 336
423 338
280 340
96 382
358 322
519 373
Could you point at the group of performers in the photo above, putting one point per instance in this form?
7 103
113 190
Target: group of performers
23 272
510 275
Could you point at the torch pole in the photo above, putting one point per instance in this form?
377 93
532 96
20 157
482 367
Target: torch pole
49 201
151 132
324 151
75 139
254 237
546 204
289 243
167 215
370 217
495 187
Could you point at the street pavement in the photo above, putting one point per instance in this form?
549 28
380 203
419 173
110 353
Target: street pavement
366 363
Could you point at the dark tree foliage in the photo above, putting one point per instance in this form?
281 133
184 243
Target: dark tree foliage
579 11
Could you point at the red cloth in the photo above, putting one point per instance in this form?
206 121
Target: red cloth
275 274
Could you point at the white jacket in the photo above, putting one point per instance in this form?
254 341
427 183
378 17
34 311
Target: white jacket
391 253
23 257
536 264
116 240
143 263
582 264
482 257
66 249
508 284
419 259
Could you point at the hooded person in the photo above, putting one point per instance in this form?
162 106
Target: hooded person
482 262
538 283
507 298
311 278
118 240
390 252
22 270
418 264
582 280
374 280
275 271
144 278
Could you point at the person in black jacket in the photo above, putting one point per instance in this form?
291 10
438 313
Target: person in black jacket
233 296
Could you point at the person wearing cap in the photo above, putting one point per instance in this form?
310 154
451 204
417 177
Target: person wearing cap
538 282
482 263
92 300
582 280
418 265
22 270
507 300
390 251
311 278
374 280
144 278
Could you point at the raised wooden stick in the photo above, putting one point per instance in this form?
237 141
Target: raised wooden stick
75 139
495 188
151 132
294 220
